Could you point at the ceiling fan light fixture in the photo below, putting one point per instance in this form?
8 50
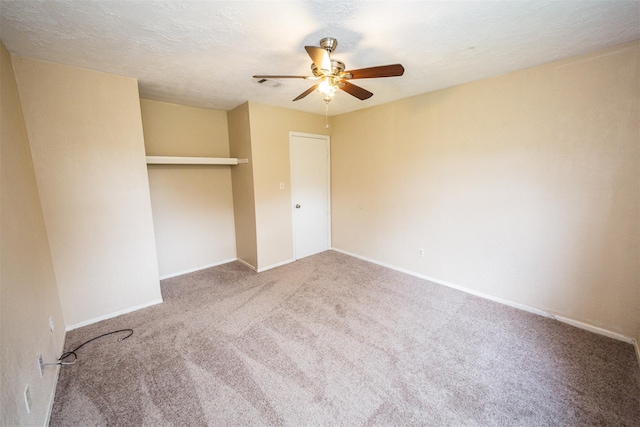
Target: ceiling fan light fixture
328 88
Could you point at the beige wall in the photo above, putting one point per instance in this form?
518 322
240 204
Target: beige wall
192 204
85 133
260 133
270 127
524 187
244 208
28 291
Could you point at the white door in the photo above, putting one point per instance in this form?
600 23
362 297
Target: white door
310 193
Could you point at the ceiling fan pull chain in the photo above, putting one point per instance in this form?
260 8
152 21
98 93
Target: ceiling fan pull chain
326 114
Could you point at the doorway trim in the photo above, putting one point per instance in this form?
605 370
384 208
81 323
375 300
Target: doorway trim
327 140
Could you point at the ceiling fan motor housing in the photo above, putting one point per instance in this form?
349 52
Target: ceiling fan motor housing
337 68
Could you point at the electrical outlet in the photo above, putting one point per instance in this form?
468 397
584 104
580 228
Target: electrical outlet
27 399
420 252
51 324
40 365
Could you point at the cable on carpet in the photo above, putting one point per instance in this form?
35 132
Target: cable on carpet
75 355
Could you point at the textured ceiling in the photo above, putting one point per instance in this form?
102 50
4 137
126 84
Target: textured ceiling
204 53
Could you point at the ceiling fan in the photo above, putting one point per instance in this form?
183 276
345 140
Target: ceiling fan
332 74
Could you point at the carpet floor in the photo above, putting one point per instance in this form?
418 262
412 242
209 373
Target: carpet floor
334 340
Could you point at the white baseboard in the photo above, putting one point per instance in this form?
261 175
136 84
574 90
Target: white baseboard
450 285
138 307
594 329
637 346
534 310
241 261
191 270
269 267
55 382
53 396
111 315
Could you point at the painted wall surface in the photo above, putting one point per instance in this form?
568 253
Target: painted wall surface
244 208
86 140
270 127
28 290
524 186
192 204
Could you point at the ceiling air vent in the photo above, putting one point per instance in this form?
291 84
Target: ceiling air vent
269 83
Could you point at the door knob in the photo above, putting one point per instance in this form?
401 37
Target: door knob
297 206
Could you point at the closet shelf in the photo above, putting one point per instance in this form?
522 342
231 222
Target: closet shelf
170 160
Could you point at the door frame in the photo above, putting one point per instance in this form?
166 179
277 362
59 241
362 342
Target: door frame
327 140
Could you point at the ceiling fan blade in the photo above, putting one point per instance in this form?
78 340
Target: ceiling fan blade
306 92
320 57
280 77
356 91
380 71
